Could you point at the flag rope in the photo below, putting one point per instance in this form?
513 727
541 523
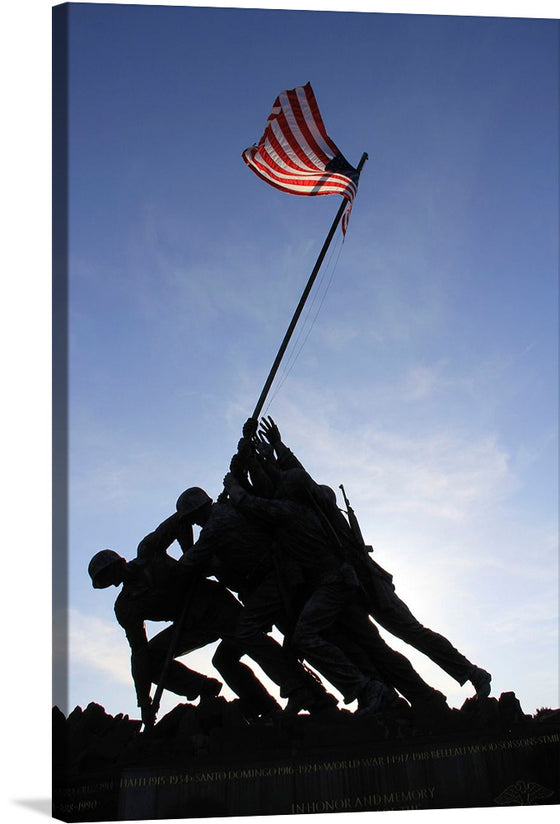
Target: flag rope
295 349
302 301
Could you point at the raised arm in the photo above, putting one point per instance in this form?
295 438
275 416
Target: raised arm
271 510
158 542
200 555
285 456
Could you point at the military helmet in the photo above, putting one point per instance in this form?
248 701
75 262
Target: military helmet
192 499
100 562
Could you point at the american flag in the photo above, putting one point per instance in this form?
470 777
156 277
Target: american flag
296 155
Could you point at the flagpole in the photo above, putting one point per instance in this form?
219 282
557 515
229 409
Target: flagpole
301 304
260 403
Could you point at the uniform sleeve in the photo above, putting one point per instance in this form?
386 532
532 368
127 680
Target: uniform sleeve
263 476
200 554
159 541
286 458
185 536
272 510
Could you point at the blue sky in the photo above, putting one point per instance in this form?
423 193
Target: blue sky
501 399
428 382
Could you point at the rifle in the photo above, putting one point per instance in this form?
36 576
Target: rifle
179 624
365 563
354 525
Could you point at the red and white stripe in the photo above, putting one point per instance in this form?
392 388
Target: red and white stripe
294 150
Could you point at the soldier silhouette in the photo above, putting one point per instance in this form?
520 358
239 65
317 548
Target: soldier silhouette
385 606
237 551
325 620
156 587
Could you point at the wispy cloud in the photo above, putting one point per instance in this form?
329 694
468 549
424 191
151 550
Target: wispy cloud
422 381
99 644
441 475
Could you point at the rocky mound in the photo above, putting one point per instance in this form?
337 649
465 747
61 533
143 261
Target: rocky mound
91 741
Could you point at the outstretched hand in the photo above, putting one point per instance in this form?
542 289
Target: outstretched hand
270 431
265 449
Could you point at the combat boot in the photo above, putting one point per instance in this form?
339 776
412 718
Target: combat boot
480 679
371 698
304 698
210 689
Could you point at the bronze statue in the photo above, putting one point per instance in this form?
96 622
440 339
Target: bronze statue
237 550
328 625
156 587
384 604
277 539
